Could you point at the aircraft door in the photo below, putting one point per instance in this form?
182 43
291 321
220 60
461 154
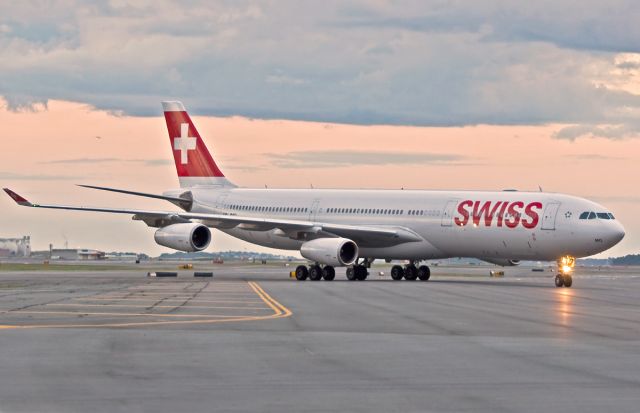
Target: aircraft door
313 211
549 216
220 201
447 213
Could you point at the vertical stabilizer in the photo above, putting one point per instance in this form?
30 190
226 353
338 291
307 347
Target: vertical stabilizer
194 164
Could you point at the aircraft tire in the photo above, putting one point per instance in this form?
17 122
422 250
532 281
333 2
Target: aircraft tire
351 274
559 280
302 273
328 273
424 273
568 281
397 272
315 273
360 272
410 273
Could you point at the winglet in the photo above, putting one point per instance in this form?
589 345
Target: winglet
19 200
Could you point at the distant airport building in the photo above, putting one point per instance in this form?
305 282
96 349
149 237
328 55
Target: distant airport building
15 247
90 255
77 254
122 257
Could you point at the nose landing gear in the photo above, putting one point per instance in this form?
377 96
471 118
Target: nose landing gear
565 268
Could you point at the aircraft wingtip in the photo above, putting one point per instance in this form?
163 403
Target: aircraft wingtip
17 198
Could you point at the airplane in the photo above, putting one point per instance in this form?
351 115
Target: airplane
352 228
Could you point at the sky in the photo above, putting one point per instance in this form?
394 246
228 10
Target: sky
385 94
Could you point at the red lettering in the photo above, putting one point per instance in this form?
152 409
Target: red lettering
485 210
535 217
477 211
493 214
513 212
501 213
463 212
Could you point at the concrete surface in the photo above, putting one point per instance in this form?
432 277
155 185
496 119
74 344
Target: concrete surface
123 342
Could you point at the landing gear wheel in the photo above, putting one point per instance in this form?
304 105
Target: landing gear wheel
315 273
328 273
559 280
397 272
568 281
424 273
410 273
351 274
361 272
302 273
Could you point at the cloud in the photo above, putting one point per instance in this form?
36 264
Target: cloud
620 131
594 157
88 161
81 161
337 159
598 27
413 62
11 176
628 65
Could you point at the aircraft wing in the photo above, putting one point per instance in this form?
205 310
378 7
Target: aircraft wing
369 236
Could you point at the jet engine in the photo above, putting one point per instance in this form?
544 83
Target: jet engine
503 262
188 237
337 252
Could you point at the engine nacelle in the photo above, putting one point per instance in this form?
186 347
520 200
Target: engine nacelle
189 237
503 262
337 252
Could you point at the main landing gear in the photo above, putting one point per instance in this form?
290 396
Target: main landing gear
565 268
410 272
315 273
360 271
357 273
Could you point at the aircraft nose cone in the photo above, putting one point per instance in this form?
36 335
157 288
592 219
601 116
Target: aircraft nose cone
616 233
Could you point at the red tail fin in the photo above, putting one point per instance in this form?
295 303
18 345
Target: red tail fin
194 163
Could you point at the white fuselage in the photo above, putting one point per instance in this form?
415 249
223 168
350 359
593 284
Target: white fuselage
505 225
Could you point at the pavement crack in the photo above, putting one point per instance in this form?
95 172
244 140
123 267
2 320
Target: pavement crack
176 308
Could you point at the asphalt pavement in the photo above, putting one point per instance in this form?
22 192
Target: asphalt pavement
251 339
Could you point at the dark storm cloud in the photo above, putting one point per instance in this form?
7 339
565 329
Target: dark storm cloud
409 62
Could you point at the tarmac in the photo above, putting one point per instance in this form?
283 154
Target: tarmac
251 339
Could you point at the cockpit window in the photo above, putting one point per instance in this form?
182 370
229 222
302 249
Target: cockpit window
598 215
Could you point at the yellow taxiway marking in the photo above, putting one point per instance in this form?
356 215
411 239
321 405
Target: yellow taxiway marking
171 300
279 311
157 306
124 314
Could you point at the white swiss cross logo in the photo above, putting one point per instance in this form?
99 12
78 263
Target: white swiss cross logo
184 143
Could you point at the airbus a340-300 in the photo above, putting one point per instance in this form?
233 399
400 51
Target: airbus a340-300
352 228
